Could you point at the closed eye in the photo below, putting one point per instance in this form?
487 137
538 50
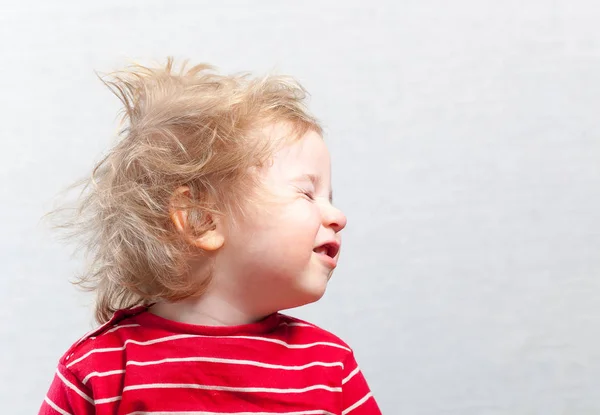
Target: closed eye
308 193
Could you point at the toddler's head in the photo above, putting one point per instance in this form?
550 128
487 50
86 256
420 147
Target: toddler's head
219 185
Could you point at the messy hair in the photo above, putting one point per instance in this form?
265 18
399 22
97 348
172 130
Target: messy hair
189 127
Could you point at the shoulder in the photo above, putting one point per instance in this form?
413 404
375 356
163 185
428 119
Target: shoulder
83 355
314 334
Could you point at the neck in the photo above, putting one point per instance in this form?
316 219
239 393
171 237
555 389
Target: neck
207 310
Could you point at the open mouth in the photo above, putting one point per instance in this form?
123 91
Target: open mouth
330 249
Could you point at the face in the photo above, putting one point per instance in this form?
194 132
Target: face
283 253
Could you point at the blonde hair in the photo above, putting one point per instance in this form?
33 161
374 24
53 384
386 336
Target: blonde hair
190 127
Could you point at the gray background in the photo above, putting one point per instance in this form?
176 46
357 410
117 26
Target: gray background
465 138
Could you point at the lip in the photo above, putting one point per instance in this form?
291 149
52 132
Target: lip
333 250
329 261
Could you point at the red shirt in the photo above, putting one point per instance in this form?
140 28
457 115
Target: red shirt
139 363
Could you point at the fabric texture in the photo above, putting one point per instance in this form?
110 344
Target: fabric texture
139 363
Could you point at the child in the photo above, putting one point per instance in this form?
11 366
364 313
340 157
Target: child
211 214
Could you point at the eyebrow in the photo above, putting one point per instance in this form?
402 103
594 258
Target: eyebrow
315 180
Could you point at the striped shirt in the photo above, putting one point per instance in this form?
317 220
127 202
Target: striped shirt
139 363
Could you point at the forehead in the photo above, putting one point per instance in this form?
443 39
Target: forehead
305 155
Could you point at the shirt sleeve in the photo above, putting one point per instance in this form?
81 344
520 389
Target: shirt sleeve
67 396
357 398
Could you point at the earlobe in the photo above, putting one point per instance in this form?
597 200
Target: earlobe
210 240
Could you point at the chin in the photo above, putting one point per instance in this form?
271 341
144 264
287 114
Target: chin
315 293
305 297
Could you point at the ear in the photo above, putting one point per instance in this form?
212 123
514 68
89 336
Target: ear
210 240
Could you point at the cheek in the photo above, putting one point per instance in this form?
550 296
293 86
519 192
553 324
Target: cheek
287 237
301 220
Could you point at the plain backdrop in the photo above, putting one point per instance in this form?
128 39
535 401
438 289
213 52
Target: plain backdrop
465 138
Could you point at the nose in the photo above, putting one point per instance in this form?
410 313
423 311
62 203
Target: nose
334 218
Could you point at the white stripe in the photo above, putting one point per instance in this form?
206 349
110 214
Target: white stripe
97 329
121 327
101 374
55 407
233 362
228 388
74 388
357 404
83 395
317 412
109 349
107 400
115 329
189 336
85 336
287 345
350 376
296 325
